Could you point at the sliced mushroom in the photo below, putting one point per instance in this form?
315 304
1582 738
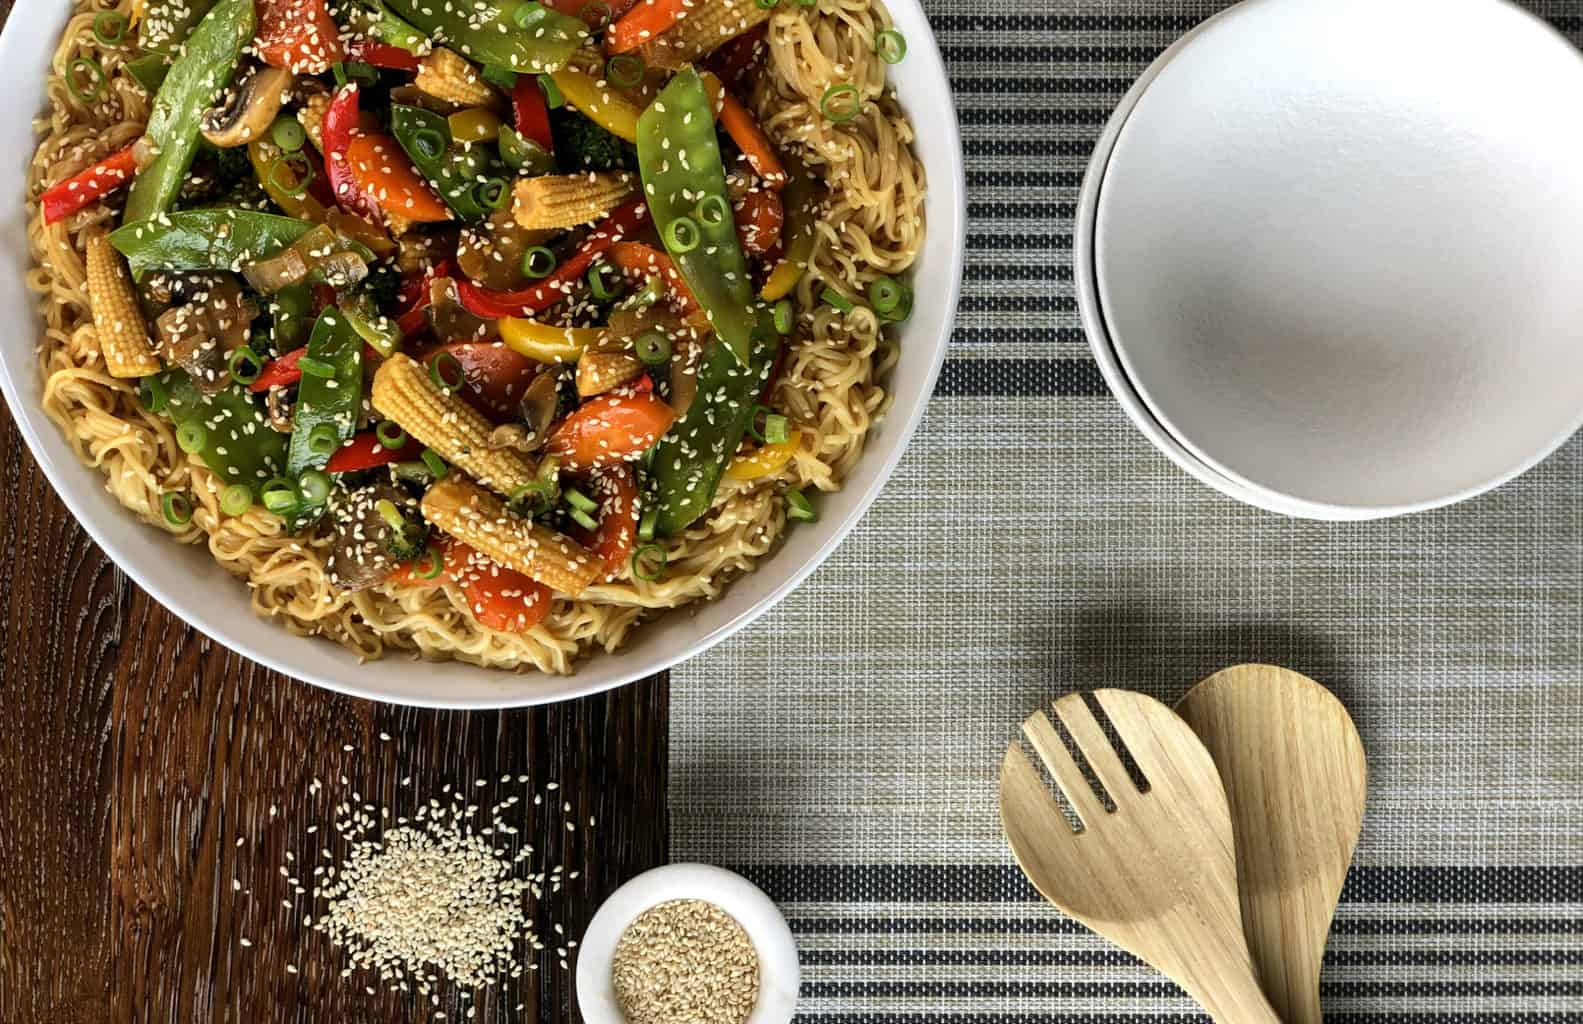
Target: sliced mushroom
367 548
512 437
278 403
491 253
199 335
538 407
251 109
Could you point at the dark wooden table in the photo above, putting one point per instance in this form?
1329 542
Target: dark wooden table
134 753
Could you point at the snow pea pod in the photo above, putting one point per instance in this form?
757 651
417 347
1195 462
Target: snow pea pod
166 24
237 443
527 37
377 21
204 68
327 402
456 172
690 458
205 239
684 181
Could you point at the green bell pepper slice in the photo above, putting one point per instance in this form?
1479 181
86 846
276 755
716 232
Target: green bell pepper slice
166 24
239 446
527 37
327 406
381 332
456 172
205 68
205 239
684 181
690 459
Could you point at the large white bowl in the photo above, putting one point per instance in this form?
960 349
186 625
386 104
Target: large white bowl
1337 269
188 582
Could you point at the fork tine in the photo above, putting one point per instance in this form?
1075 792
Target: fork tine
1021 783
1058 760
1079 720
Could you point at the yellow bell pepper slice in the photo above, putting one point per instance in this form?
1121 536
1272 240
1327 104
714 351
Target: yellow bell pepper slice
782 280
766 460
601 104
277 178
474 126
548 343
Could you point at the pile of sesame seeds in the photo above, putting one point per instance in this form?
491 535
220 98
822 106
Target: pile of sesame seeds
433 902
685 962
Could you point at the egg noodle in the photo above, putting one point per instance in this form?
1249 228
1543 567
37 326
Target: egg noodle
829 388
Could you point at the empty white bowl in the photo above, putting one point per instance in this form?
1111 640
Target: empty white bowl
1337 250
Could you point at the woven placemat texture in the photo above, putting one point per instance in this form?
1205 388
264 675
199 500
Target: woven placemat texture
843 750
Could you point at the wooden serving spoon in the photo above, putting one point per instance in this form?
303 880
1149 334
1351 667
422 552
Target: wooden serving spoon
1155 871
1296 778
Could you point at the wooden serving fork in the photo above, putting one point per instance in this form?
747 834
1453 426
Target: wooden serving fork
1152 869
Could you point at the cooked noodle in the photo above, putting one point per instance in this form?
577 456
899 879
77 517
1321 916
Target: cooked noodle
829 387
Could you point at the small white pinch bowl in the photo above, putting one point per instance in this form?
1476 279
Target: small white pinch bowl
1341 274
779 971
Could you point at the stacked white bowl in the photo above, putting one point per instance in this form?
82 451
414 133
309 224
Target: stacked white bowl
1330 252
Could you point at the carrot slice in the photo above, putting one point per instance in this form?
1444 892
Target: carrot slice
744 130
609 429
760 217
645 261
645 21
382 171
616 537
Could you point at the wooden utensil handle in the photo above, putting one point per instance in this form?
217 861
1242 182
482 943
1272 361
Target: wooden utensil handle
1235 999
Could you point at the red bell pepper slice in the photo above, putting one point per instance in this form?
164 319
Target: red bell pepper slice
645 261
736 58
624 220
498 597
89 186
340 124
366 451
616 536
299 35
532 112
417 296
382 55
611 428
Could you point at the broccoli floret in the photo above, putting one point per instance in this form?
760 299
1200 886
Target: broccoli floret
581 145
407 542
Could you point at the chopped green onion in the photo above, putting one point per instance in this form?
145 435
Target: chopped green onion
604 286
191 437
445 370
493 194
177 508
245 365
430 564
537 262
315 367
776 430
552 93
390 435
152 393
647 524
625 71
799 507
542 493
681 235
301 174
596 15
754 431
525 15
236 499
808 3
323 439
891 46
314 486
887 295
653 347
95 74
109 28
390 514
648 562
437 466
288 133
428 142
785 316
766 5
840 103
714 210
502 75
831 297
583 519
652 291
580 501
278 495
415 471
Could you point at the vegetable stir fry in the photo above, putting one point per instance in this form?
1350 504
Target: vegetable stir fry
493 294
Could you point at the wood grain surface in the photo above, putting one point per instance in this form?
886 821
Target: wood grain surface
135 753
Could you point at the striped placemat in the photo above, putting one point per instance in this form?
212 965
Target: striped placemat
843 751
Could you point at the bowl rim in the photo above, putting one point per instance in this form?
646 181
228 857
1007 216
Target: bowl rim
15 52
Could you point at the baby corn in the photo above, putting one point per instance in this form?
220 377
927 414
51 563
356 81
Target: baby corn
706 25
117 318
598 372
447 75
311 116
478 518
405 393
566 200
